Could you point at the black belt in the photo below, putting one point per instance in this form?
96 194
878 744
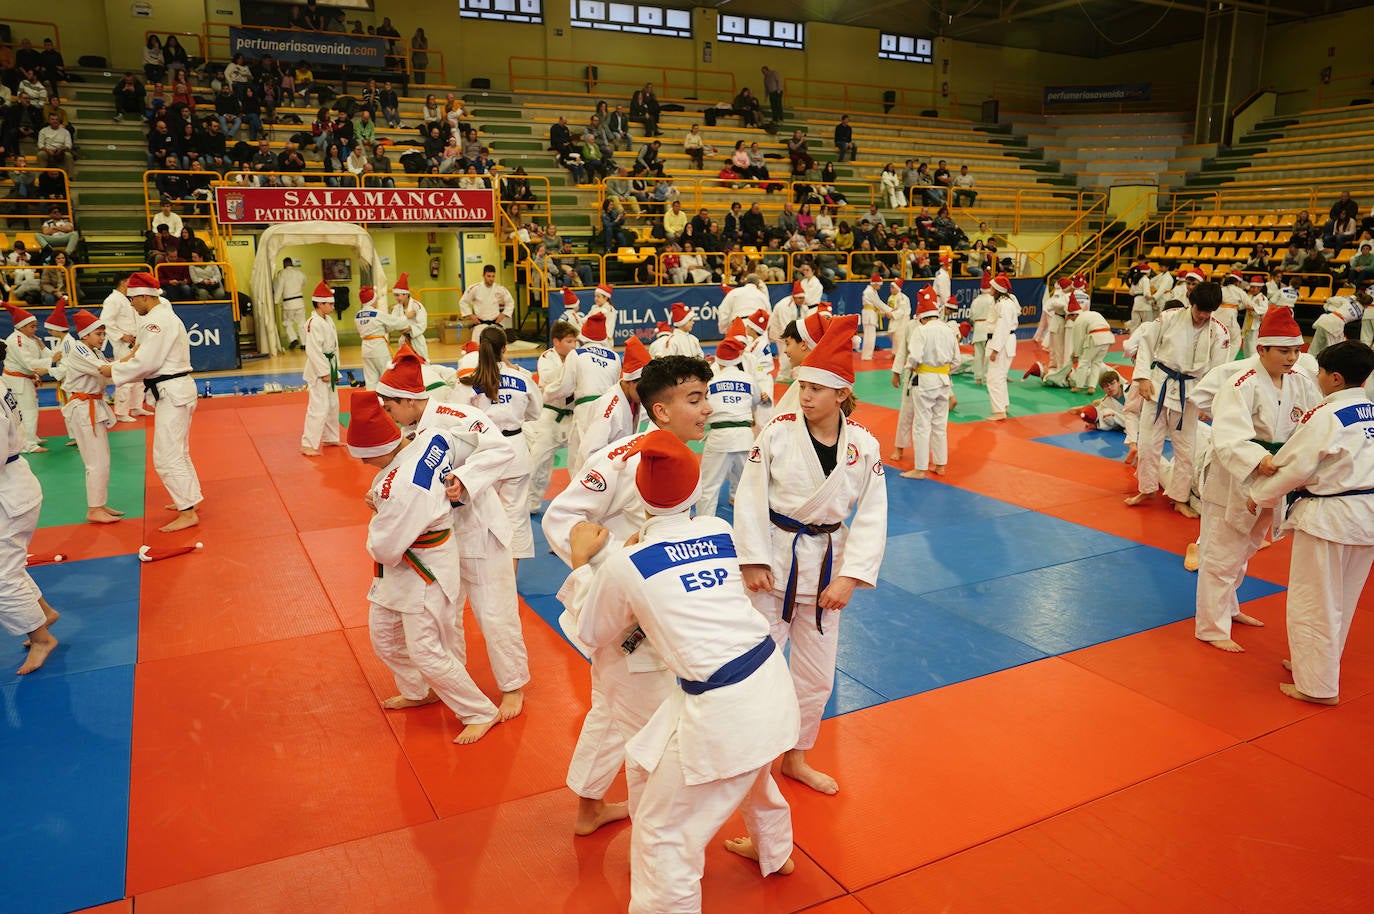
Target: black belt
745 424
510 434
1303 493
495 323
295 298
789 599
12 459
737 670
150 384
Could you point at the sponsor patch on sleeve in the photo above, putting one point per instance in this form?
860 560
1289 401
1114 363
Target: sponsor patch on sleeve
593 481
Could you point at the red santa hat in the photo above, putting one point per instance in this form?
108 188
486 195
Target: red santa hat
813 328
875 279
1066 282
824 307
662 329
1001 283
44 559
1279 328
1257 281
403 378
1035 371
402 284
569 299
86 322
322 292
1080 281
726 288
143 284
19 315
366 296
985 281
736 331
682 314
1089 415
471 346
1233 276
603 289
57 320
1193 275
927 302
1074 306
668 476
758 320
831 363
149 554
965 328
371 432
897 285
1143 265
593 329
945 257
636 357
797 288
730 351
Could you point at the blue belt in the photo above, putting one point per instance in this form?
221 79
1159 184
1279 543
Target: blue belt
1182 379
12 459
737 670
789 600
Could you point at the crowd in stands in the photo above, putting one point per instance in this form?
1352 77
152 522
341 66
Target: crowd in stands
1341 247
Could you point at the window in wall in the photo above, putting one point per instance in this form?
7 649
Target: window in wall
905 47
631 17
504 10
774 33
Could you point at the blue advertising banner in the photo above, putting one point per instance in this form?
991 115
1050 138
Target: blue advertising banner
293 45
1079 95
640 308
214 339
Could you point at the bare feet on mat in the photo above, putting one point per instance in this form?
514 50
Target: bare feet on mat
1243 619
1190 558
187 518
745 848
997 417
101 516
310 451
511 704
400 702
1288 689
115 511
914 474
1226 644
592 814
794 766
1130 457
50 616
1185 509
938 469
1287 665
41 644
895 456
1139 498
473 732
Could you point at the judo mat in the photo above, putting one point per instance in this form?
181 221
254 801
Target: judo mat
1022 719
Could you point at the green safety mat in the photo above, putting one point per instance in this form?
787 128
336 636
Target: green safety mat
63 476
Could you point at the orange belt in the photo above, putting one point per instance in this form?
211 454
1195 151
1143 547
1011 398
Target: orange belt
91 401
374 337
20 374
1232 307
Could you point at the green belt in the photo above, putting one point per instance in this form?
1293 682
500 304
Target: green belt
562 413
436 385
580 400
716 425
1270 446
333 358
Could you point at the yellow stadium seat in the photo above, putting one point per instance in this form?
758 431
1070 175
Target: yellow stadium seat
1250 221
1269 220
1211 238
1207 253
1305 293
1346 290
1115 285
1343 257
1156 252
1216 222
4 242
1173 253
1199 222
1266 238
1178 237
1193 238
1321 293
1287 219
1228 237
1226 254
1191 253
1233 221
1246 238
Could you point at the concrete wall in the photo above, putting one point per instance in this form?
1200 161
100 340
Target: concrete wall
1296 54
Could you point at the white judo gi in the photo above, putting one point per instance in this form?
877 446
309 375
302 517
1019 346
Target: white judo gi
546 434
1256 306
1092 337
121 320
1328 457
86 414
980 312
932 353
374 327
614 416
783 483
681 342
321 376
21 500
740 302
416 320
758 363
704 753
734 396
588 372
1161 290
415 617
26 361
288 288
1057 339
1251 417
163 363
785 311
1232 304
874 309
626 687
1001 349
1142 302
492 305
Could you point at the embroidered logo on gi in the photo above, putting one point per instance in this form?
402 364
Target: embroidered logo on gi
1297 414
386 484
477 426
878 468
620 451
594 481
1245 377
450 411
152 328
12 403
610 407
851 455
755 455
786 417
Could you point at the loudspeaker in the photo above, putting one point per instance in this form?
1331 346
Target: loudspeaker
479 82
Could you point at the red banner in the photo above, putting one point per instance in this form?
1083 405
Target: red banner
244 205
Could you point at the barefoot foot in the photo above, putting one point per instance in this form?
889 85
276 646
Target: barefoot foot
1138 499
1288 689
310 451
895 457
41 644
592 814
1243 619
400 702
1130 457
914 474
795 767
187 518
1226 644
1185 509
473 732
511 704
101 516
115 511
1287 665
745 848
1190 558
938 469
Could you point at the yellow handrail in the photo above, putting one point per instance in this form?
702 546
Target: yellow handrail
675 84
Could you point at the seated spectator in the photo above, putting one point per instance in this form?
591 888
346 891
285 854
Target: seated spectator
304 79
571 159
22 194
619 189
797 153
188 143
731 233
162 247
238 75
1361 268
674 221
334 165
51 68
752 227
1292 259
292 163
206 279
1343 208
174 57
33 87
695 146
198 185
844 237
175 276
129 97
154 69
1340 232
214 151
844 139
644 110
648 158
925 184
787 219
664 192
591 158
825 222
746 105
1315 263
356 163
21 121
976 261
379 170
941 183
167 215
455 109
365 129
828 261
1304 233
890 187
1258 260
963 187
391 106
560 137
189 243
828 191
53 283
471 180
251 112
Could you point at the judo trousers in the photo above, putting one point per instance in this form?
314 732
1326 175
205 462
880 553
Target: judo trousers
980 361
1222 569
20 613
127 397
514 493
622 703
376 355
716 468
293 324
930 428
1150 444
94 446
321 415
812 660
544 436
26 392
1323 588
172 453
489 583
997 382
425 651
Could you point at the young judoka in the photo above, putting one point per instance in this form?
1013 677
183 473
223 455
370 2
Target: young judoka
658 346
786 310
734 396
1330 327
1178 349
571 309
758 360
1162 288
742 301
874 310
481 459
1142 304
23 611
1057 339
602 304
162 361
321 374
550 431
629 679
682 341
1233 296
932 352
86 414
798 339
410 313
1328 466
1107 412
1092 339
708 748
374 325
1251 417
616 414
26 361
1001 345
121 328
1366 317
899 303
588 372
415 616
808 472
980 312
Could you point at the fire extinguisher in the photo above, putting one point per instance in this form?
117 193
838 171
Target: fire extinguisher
434 267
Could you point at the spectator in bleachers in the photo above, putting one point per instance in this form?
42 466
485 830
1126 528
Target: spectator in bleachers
455 109
391 106
187 144
198 184
419 54
379 169
207 279
182 94
213 146
158 100
292 162
1343 207
560 136
752 227
844 236
162 246
1303 233
695 146
644 110
941 183
746 105
674 221
618 123
1292 259
1315 262
797 153
55 145
787 219
1258 261
154 66
23 189
431 114
167 215
648 158
1361 269
597 167
571 159
825 223
334 166
21 122
371 100
237 75
252 112
53 283
471 180
844 139
365 129
976 261
963 187
264 160
890 186
304 80
228 110
130 97
189 243
356 163
342 130
51 67
1340 231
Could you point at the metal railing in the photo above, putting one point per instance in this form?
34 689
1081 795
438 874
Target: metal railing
178 287
45 29
577 77
103 276
14 207
838 97
162 34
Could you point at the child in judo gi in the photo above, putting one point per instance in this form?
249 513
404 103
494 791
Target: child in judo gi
932 353
549 432
734 396
321 374
86 414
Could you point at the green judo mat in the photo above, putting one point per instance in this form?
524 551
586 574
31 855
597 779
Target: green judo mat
1028 398
63 476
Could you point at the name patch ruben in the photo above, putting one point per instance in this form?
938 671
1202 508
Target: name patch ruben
1359 412
436 455
659 557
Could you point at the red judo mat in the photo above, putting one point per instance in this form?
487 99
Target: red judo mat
1146 773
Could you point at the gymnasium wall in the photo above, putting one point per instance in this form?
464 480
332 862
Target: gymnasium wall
1296 53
